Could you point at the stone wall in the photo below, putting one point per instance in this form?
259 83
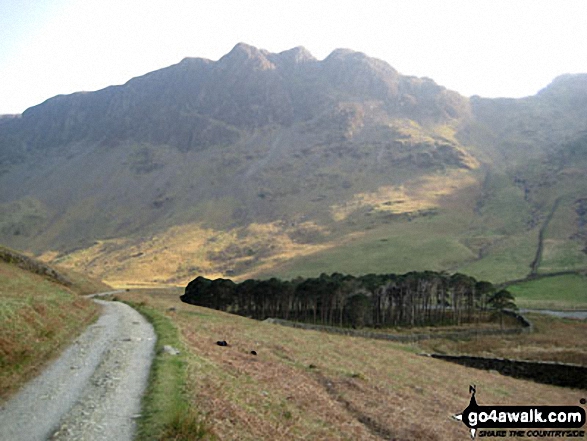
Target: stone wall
525 326
559 374
32 265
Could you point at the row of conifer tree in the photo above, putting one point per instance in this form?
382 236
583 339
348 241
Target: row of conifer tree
378 300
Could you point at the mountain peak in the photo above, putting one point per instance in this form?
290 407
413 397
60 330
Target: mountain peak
567 83
342 53
245 54
354 58
296 55
245 48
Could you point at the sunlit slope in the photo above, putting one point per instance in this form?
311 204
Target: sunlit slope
232 214
493 225
505 225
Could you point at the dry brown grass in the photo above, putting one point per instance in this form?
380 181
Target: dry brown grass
310 385
37 318
553 339
161 260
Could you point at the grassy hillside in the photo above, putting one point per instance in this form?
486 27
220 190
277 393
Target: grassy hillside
176 254
494 225
484 228
561 292
38 317
309 385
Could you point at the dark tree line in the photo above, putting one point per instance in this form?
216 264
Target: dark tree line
378 300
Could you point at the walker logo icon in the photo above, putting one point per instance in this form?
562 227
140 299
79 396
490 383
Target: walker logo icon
477 418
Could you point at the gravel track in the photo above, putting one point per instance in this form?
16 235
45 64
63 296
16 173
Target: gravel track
93 391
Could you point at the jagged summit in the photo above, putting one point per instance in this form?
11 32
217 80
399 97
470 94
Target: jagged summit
342 53
296 55
244 54
247 50
195 61
198 103
570 83
359 61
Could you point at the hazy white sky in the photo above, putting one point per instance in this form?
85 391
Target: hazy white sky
477 47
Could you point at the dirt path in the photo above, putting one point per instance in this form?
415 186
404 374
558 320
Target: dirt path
93 391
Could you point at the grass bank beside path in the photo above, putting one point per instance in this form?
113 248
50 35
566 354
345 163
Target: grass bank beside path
38 318
167 413
306 384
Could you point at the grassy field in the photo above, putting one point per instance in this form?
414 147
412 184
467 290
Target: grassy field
310 385
560 255
507 258
441 242
38 317
560 292
399 248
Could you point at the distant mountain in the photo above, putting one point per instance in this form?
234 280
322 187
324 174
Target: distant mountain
531 125
199 103
240 165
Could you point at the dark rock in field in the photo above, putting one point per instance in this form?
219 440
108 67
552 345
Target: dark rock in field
253 352
222 343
